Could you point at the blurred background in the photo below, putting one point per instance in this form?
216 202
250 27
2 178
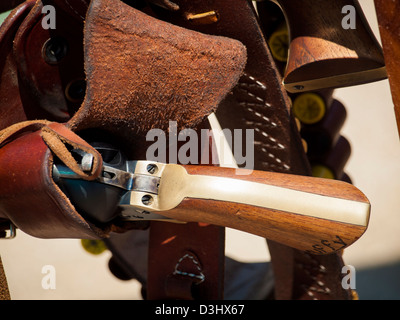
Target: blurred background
374 167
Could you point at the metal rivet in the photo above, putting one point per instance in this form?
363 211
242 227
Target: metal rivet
87 162
54 50
147 199
76 90
151 168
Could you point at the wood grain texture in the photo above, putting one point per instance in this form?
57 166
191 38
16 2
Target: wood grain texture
315 235
320 48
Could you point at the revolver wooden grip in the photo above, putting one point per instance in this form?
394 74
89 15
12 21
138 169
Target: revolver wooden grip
313 214
323 53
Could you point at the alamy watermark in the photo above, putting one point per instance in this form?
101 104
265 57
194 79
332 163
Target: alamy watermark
227 148
349 280
349 20
49 20
49 278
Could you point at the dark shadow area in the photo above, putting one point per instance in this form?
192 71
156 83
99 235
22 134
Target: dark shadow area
379 283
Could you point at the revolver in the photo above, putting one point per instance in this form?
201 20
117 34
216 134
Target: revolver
302 212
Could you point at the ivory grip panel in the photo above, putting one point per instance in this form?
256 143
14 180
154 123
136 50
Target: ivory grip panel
307 213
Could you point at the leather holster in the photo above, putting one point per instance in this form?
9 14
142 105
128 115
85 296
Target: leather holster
138 69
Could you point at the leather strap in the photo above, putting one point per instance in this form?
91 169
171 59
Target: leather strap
193 256
193 262
12 107
54 92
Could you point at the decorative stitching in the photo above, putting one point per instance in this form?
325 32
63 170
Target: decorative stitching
273 124
275 144
263 122
199 276
311 270
259 83
269 154
258 98
310 291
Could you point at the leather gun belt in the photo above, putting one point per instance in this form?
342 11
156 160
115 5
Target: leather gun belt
185 261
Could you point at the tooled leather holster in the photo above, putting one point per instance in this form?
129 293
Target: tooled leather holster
63 76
